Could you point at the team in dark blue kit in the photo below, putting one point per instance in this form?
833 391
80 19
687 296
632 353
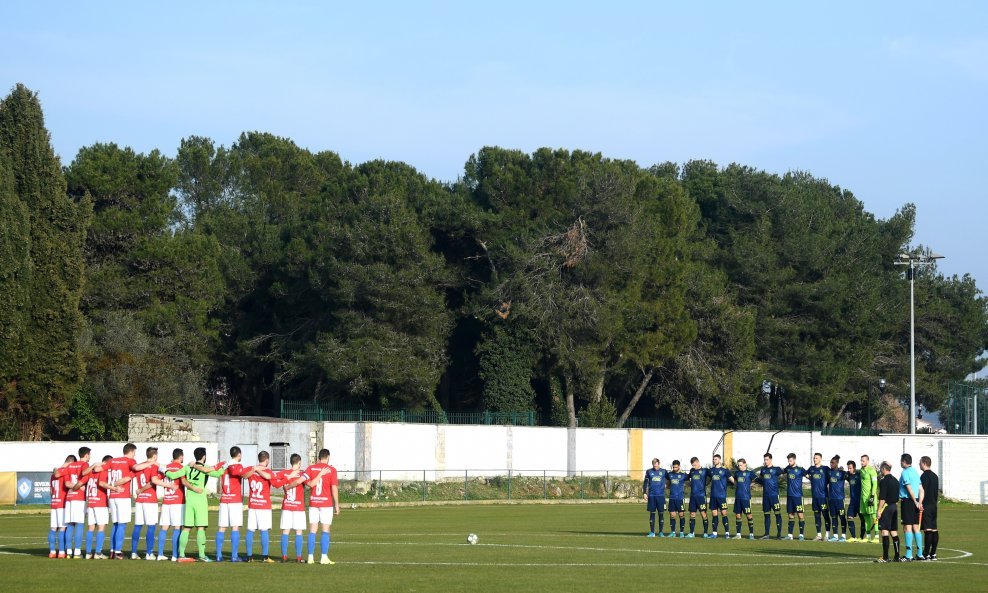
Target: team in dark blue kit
829 487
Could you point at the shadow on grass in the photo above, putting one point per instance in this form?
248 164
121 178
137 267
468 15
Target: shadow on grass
808 553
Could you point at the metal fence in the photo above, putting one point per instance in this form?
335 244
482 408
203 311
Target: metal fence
486 485
966 411
314 411
479 485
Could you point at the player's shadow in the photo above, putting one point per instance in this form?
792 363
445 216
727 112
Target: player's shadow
808 553
578 532
29 549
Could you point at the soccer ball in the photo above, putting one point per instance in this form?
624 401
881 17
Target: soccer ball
472 538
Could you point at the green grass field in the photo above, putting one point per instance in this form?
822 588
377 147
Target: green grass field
523 547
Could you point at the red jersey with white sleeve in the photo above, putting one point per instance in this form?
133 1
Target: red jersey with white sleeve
73 474
143 478
294 495
96 496
260 492
119 468
176 496
232 484
321 495
58 491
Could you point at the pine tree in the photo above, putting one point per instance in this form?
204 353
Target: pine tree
42 367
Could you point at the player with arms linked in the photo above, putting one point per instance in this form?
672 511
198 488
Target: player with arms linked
742 479
677 493
768 477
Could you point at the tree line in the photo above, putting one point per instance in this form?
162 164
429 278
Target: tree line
227 279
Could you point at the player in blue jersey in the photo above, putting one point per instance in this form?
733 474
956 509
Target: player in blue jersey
818 493
698 496
677 492
719 477
768 477
654 491
854 500
835 499
794 495
742 479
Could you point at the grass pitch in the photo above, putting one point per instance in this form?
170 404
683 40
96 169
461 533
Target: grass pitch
546 548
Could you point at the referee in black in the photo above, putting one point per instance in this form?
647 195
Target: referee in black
888 515
931 492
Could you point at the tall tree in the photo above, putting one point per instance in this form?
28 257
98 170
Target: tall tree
152 290
37 390
588 252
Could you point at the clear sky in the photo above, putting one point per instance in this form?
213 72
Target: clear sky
887 99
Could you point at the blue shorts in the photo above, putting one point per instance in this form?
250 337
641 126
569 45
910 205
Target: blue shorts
770 503
794 505
675 505
852 508
819 505
656 503
698 504
742 506
836 504
718 504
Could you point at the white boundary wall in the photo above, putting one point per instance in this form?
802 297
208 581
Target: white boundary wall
392 451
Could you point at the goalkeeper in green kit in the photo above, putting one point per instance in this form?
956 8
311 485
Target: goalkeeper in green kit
869 493
196 502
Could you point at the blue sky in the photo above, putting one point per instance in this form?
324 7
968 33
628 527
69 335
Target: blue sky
887 99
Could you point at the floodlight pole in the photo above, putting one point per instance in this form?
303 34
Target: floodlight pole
912 346
914 260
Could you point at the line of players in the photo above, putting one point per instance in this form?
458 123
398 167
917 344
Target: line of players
868 499
101 493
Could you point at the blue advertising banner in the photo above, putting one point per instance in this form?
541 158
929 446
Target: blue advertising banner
33 488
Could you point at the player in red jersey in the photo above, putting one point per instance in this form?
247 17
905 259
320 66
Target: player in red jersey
120 472
259 507
292 506
146 504
57 544
97 507
172 507
75 501
324 498
232 504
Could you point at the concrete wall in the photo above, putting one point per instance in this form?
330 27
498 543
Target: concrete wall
252 434
392 451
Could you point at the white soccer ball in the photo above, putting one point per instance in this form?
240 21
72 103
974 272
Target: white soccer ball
472 538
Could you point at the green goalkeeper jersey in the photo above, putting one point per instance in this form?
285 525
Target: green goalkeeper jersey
869 490
195 477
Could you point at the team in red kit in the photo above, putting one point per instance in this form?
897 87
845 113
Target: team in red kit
85 497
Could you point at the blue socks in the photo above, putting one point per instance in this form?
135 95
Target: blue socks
135 538
298 545
89 543
220 540
909 544
284 545
176 541
324 543
265 539
162 537
52 540
100 540
919 543
250 543
312 543
235 543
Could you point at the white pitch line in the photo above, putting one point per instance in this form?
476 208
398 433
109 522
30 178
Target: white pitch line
576 564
